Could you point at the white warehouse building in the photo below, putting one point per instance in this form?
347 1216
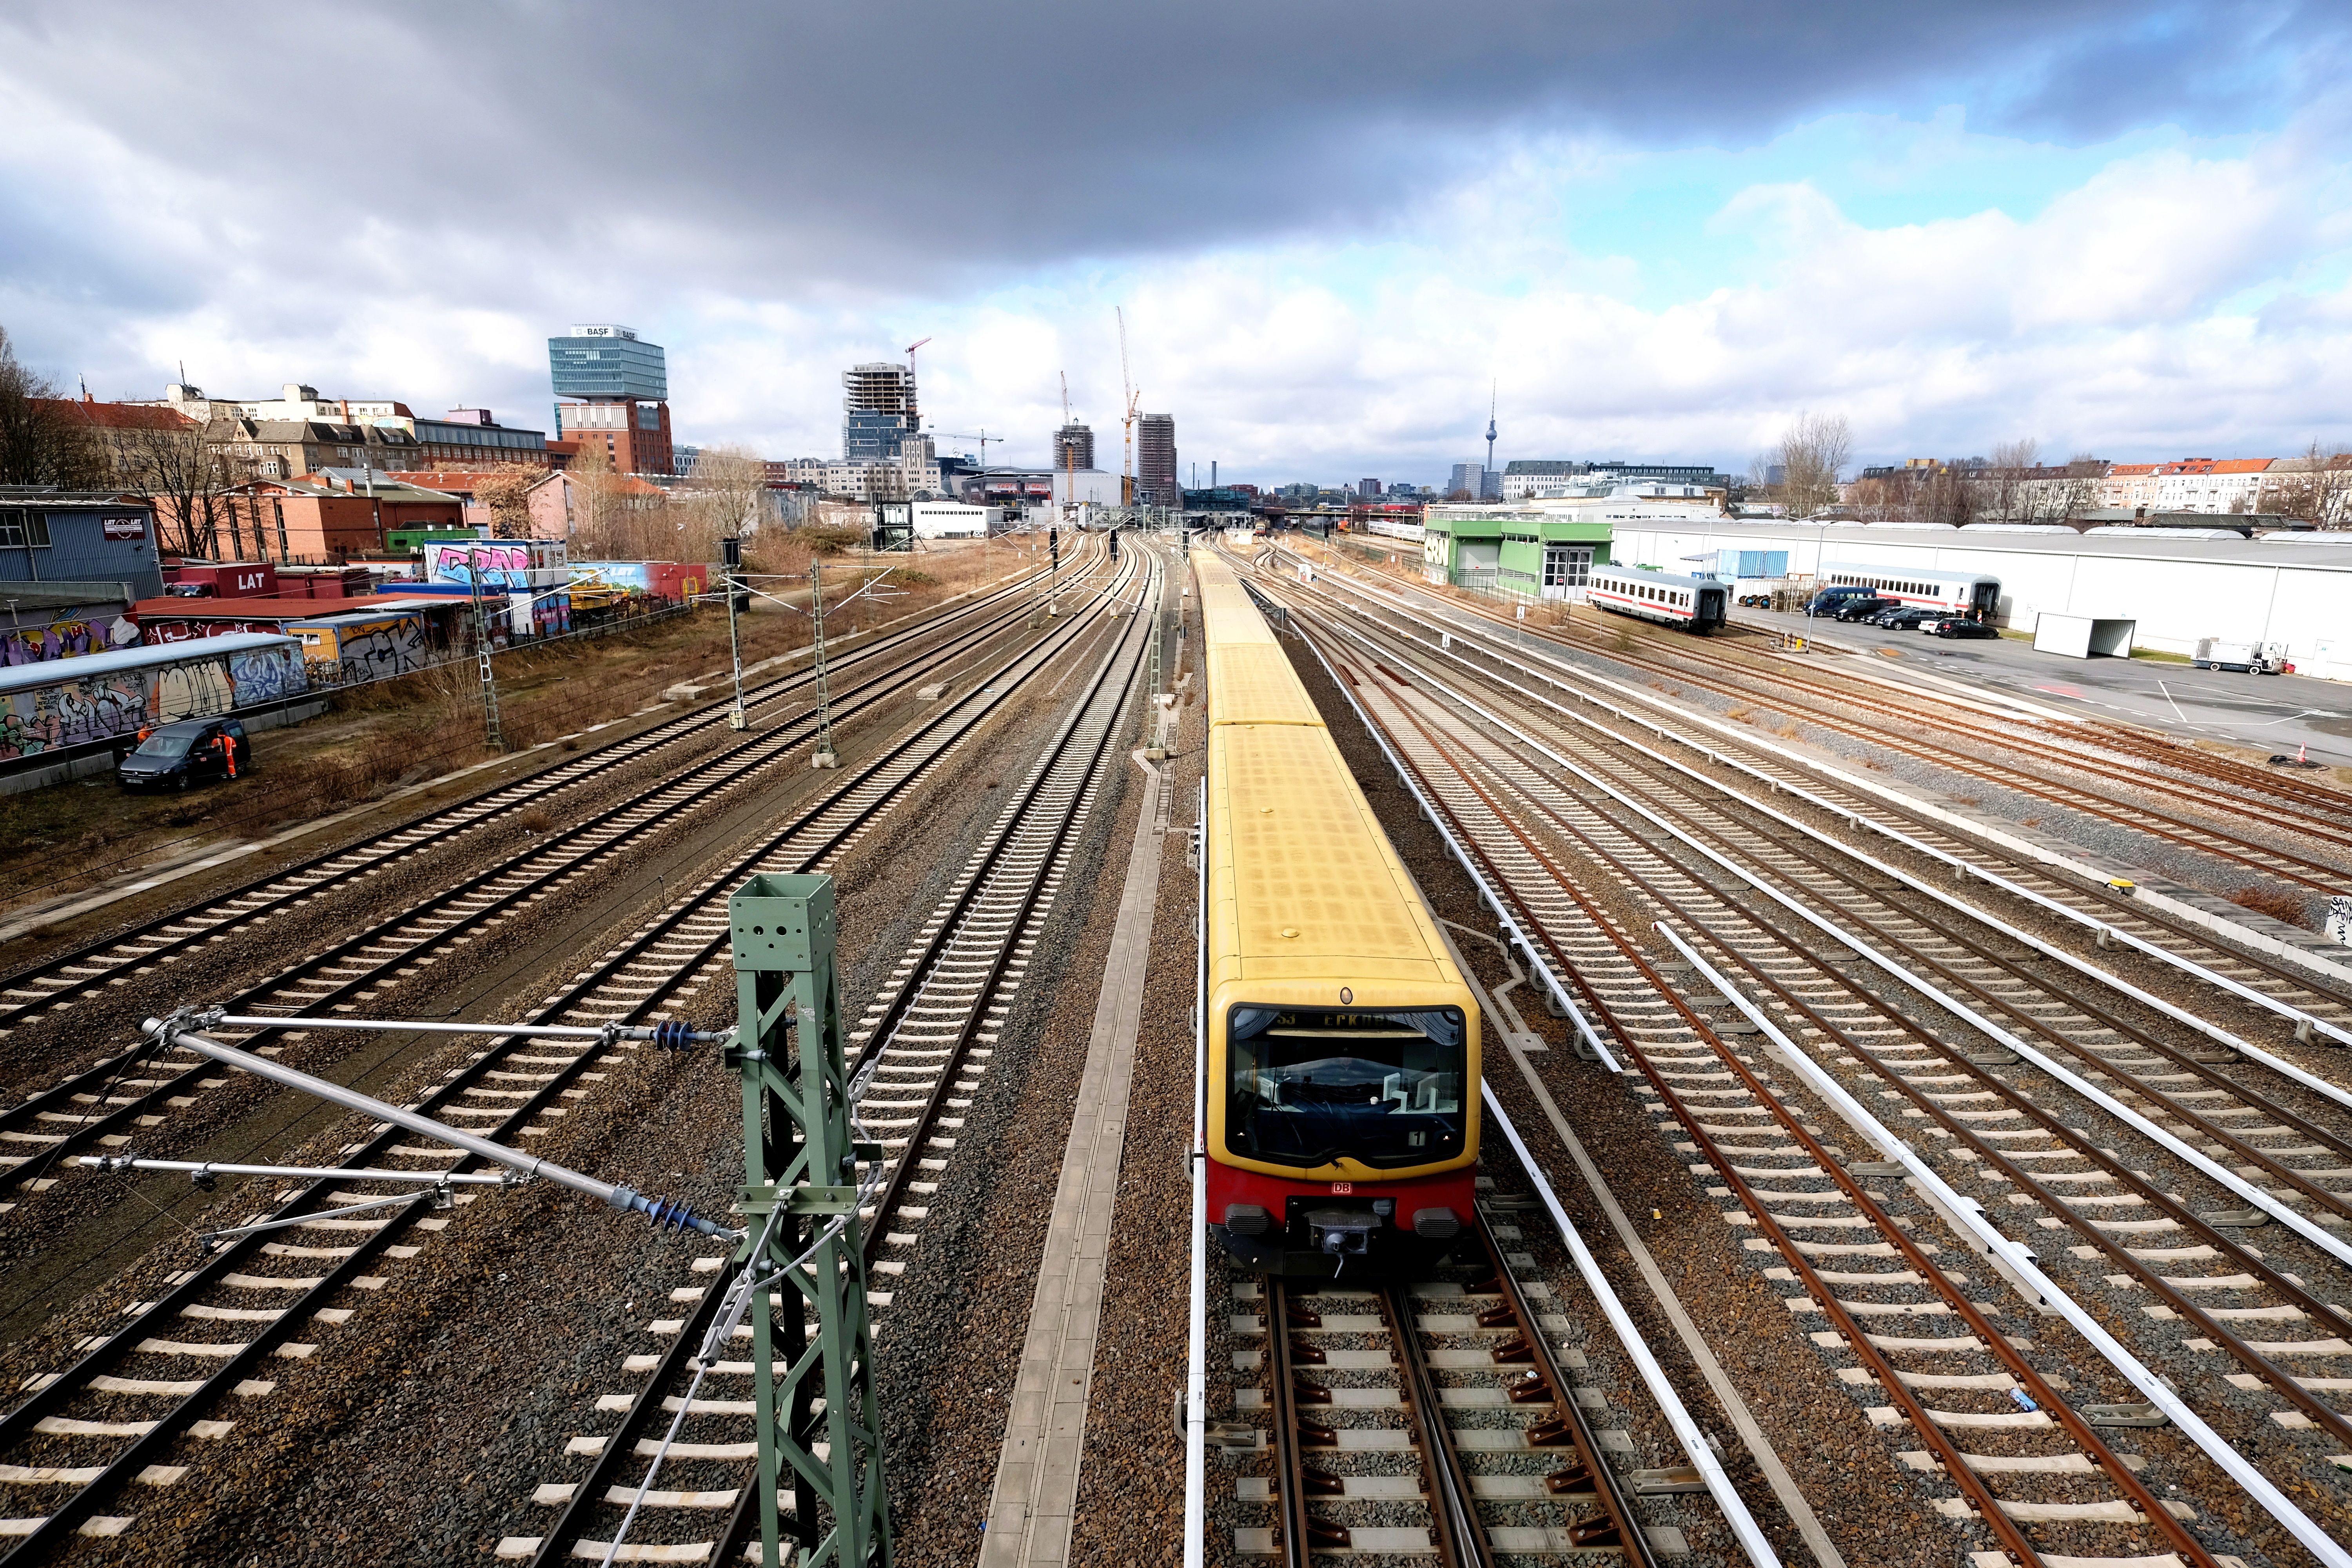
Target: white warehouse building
2178 585
953 520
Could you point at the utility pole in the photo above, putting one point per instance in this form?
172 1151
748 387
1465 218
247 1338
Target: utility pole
731 549
824 757
799 1156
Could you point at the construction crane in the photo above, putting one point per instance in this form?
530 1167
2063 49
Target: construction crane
1126 419
1070 448
914 419
984 439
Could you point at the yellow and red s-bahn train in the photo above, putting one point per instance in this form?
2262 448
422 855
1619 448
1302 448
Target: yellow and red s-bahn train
1340 1049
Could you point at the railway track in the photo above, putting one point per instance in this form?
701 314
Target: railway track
1473 1416
56 984
135 1407
103 1106
1585 865
2322 815
922 1048
2313 1006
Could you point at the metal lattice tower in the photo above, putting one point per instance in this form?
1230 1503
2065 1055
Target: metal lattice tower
811 1338
496 739
824 757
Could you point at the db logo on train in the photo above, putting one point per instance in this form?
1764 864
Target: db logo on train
1342 1189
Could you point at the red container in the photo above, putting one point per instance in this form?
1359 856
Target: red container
230 580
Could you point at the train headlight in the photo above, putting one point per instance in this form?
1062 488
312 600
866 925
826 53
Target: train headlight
1245 1219
1437 1225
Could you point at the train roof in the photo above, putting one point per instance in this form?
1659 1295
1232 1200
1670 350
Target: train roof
1652 575
1924 574
56 671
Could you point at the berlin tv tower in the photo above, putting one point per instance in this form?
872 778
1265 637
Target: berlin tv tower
1490 426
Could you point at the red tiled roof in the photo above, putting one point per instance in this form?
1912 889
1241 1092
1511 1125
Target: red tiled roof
119 416
2241 466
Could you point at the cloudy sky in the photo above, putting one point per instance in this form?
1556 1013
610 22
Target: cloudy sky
1658 229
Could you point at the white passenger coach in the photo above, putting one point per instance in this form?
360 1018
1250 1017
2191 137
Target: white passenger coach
1693 603
1972 593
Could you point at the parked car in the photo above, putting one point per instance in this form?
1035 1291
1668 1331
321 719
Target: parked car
182 755
1830 600
1959 629
1861 609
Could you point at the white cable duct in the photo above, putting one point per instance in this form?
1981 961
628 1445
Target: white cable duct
1517 935
2018 1257
1751 1538
1196 1354
2270 1004
2259 1197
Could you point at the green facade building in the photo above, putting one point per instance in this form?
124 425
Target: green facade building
1512 550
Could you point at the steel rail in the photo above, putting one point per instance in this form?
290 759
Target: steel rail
2126 1114
54 1102
2326 1198
1889 800
2325 827
1980 1496
1461 1535
461 817
1297 1530
2278 862
2158 1392
18 1424
2259 1487
2233 1251
579 847
556 1545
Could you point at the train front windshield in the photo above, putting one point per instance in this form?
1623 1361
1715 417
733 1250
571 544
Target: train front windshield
1308 1087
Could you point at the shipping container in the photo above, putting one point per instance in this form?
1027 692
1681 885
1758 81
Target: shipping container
56 705
364 644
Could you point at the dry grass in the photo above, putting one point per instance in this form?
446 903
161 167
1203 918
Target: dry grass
534 819
1788 732
1742 715
2282 904
380 738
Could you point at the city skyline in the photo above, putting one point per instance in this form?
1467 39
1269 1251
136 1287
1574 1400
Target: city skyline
2101 226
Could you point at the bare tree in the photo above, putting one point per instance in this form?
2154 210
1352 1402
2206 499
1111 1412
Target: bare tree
2008 485
731 488
595 498
507 495
40 441
2316 486
187 476
1812 453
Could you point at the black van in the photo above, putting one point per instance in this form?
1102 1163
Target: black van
1830 600
190 753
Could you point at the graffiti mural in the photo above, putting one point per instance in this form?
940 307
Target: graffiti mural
72 710
65 639
501 565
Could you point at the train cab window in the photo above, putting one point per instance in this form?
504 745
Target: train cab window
1306 1087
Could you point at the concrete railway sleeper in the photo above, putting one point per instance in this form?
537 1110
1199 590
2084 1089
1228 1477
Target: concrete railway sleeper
54 1123
2328 827
1808 993
2314 1005
1502 872
512 1090
1438 1418
2261 1199
2306 811
1682 1057
924 1042
56 983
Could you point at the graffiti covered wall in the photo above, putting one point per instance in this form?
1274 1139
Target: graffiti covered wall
76 710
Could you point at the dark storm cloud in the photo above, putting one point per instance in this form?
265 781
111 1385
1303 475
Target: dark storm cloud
810 147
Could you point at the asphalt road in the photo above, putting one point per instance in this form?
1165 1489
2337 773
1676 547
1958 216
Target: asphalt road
2275 714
